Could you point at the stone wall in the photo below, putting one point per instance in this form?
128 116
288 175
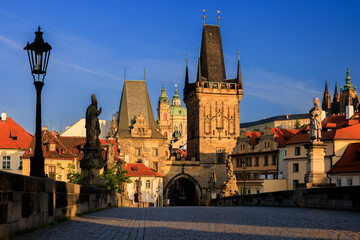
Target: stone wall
30 202
345 198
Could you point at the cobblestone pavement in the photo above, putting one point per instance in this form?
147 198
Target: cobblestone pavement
207 223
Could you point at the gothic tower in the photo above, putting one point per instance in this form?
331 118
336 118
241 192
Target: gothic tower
212 103
347 93
335 105
163 110
326 102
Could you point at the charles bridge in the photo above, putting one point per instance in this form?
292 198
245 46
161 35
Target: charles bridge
28 203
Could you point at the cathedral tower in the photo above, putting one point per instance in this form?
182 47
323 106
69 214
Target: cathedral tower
347 94
212 103
163 110
326 102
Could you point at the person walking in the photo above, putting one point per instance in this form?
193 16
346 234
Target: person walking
136 199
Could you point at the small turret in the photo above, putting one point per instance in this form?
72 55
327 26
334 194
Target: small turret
239 72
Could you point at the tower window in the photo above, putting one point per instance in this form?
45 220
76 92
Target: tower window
165 117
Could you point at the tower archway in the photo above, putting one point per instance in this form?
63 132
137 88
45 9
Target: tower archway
183 190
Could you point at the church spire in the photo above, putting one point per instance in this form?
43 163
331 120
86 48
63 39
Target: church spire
326 103
239 72
163 97
348 85
336 94
186 74
198 79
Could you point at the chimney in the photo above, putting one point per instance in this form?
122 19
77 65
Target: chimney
3 116
349 111
44 128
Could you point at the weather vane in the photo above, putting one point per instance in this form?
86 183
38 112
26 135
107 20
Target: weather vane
204 15
218 17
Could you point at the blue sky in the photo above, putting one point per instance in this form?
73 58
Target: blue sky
288 50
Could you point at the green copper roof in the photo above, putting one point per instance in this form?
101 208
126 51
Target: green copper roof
178 111
177 134
163 93
348 85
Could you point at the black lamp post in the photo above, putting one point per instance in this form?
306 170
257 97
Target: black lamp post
38 53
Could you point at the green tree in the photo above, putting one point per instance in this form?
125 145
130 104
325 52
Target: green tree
60 168
115 178
297 124
72 175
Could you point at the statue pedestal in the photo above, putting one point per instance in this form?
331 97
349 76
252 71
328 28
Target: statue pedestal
91 164
315 166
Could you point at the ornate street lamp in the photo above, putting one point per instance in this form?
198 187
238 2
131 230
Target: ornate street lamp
38 53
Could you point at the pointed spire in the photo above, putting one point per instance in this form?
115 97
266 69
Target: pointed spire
348 79
326 87
204 15
348 85
198 79
186 74
239 71
163 95
336 94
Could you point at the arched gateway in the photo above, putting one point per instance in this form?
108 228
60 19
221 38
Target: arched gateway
183 190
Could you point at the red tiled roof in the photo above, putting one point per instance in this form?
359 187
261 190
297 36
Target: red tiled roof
140 170
254 137
350 160
339 127
66 147
12 135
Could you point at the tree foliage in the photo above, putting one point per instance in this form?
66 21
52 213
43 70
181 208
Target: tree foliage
297 124
115 178
72 175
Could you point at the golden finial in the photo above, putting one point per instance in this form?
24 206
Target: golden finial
238 55
163 83
218 17
204 15
176 88
199 52
175 85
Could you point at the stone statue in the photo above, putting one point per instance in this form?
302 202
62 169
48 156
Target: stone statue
229 188
113 127
93 159
92 124
315 121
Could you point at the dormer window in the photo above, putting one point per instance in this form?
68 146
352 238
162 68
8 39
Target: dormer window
52 147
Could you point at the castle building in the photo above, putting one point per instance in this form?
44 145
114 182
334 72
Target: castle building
172 119
213 126
348 97
136 131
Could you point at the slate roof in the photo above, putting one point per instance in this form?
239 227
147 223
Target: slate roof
349 161
135 100
140 170
211 56
275 118
13 136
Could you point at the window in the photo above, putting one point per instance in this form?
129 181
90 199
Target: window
52 147
266 161
257 191
256 161
338 182
139 160
52 169
213 132
155 152
155 165
147 183
206 85
20 162
255 176
137 151
215 85
223 86
220 152
273 161
238 162
349 182
165 134
297 151
165 117
6 162
249 191
295 167
285 152
295 183
249 161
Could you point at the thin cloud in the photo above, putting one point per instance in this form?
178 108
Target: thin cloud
279 89
83 69
10 43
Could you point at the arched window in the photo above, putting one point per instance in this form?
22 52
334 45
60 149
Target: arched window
165 134
207 126
147 183
165 117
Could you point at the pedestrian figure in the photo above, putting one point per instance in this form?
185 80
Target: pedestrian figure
168 202
136 199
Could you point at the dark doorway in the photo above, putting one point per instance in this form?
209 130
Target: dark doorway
183 193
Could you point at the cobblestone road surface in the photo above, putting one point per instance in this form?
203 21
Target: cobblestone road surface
207 223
